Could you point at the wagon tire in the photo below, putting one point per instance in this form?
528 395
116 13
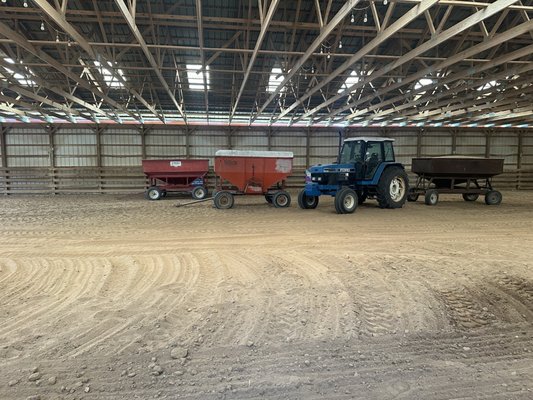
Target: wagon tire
223 200
153 193
268 198
392 188
412 197
470 196
432 197
199 193
307 202
346 201
281 199
493 198
163 193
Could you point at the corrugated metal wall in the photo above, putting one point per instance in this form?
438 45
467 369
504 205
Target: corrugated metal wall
98 156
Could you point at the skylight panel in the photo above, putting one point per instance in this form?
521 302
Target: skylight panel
488 85
107 75
420 84
350 81
195 76
423 82
275 79
23 80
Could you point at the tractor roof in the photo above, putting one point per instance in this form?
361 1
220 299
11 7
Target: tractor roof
369 139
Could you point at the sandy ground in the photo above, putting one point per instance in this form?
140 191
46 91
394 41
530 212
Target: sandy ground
116 297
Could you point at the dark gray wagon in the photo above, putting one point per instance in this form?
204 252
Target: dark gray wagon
468 176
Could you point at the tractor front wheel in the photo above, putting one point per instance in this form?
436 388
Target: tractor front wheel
307 202
346 201
392 188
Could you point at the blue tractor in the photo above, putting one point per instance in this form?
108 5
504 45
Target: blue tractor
366 168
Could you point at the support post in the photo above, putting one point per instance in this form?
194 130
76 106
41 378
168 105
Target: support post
229 139
98 132
187 142
519 159
269 139
419 143
308 147
454 142
143 131
3 148
488 135
52 153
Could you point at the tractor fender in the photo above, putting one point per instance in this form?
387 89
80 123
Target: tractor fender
377 176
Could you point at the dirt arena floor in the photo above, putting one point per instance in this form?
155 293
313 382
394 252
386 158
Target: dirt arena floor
116 297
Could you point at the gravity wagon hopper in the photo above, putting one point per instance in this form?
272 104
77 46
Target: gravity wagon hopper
366 168
240 172
468 176
176 175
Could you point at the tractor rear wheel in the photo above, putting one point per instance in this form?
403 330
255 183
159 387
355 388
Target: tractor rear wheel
493 198
154 193
281 199
392 188
307 202
223 200
199 193
346 201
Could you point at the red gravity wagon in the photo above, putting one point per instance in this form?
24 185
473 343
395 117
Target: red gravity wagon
176 176
241 172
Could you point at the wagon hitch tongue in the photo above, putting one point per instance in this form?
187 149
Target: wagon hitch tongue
193 202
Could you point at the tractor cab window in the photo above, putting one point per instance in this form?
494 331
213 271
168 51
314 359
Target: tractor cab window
389 152
351 152
373 157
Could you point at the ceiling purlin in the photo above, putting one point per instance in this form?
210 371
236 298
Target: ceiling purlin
343 12
202 53
22 42
59 19
428 45
380 38
42 84
445 95
133 26
264 29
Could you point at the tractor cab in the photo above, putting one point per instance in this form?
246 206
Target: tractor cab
366 154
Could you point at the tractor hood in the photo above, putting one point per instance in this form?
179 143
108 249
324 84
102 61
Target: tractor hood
331 168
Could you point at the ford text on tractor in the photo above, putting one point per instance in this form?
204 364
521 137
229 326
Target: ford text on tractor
365 169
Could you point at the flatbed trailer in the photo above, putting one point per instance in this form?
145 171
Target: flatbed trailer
468 176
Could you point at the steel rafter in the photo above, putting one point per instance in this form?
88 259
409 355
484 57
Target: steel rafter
133 26
431 43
